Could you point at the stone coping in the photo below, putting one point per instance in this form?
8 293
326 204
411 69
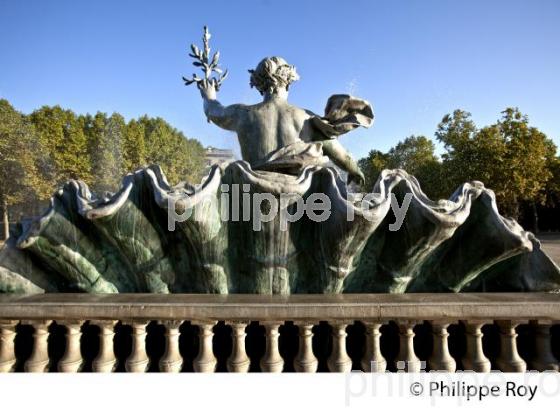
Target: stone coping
344 307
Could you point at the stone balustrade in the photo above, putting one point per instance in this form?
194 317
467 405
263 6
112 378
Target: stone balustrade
302 333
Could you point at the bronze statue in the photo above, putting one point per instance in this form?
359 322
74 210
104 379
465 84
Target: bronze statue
275 135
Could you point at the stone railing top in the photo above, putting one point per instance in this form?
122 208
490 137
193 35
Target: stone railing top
383 307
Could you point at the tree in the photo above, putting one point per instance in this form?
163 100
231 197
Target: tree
41 151
456 131
528 157
106 137
192 156
371 166
20 161
100 149
412 154
551 191
179 157
134 146
61 132
416 155
510 157
517 161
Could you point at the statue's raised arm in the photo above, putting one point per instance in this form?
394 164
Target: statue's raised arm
209 85
226 117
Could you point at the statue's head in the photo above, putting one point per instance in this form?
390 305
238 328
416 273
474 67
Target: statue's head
273 74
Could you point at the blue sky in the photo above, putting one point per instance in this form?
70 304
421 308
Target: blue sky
414 60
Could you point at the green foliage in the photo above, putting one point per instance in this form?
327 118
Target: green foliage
551 191
134 146
179 157
371 166
62 135
100 149
416 155
21 160
106 137
19 156
41 151
510 157
515 160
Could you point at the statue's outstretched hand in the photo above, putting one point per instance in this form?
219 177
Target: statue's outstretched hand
207 89
357 177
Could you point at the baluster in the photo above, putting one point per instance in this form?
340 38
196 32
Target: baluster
171 361
339 361
305 361
138 361
105 362
38 362
272 362
441 359
205 361
475 359
7 353
71 361
373 361
407 359
544 359
238 361
509 359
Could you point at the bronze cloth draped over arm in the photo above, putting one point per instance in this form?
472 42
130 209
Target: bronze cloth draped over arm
343 114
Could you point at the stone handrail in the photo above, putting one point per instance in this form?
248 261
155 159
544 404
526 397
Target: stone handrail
507 311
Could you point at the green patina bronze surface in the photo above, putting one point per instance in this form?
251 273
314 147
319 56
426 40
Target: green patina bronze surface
122 243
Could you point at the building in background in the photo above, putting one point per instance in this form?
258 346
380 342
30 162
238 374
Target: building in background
217 156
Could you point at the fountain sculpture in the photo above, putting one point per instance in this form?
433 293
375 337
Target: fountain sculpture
280 221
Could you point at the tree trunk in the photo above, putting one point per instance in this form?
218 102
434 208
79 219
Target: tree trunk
5 220
535 219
